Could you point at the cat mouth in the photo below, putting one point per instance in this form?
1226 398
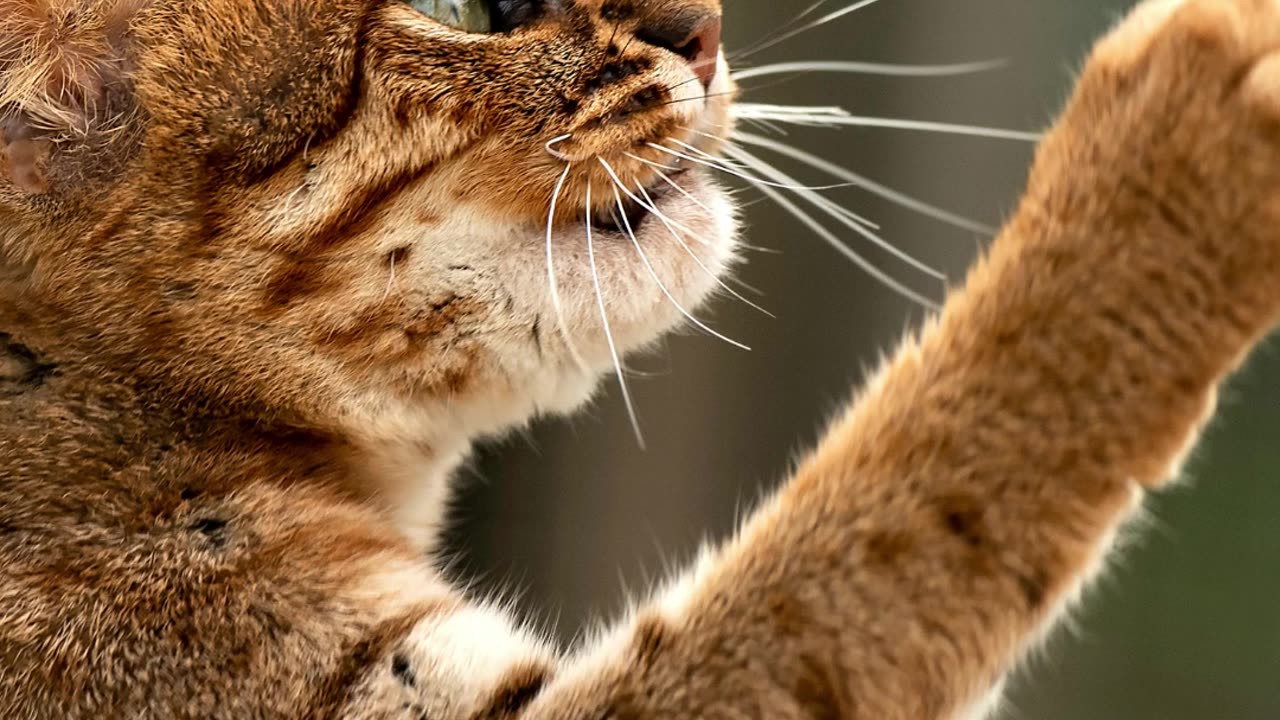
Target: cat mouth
636 209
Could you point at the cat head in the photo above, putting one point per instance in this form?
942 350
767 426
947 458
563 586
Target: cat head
349 212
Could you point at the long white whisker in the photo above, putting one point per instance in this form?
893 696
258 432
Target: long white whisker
867 68
653 208
867 184
637 158
822 203
608 333
694 199
753 110
554 288
726 162
750 49
644 259
829 17
730 171
866 265
830 207
671 226
682 191
828 119
675 228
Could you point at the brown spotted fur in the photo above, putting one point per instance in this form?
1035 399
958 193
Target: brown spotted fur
238 319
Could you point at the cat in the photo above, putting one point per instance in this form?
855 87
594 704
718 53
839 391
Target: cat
271 265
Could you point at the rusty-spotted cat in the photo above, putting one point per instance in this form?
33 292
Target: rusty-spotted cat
270 265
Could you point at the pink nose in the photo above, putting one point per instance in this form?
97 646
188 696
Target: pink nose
702 50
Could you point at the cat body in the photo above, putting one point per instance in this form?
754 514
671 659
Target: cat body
271 266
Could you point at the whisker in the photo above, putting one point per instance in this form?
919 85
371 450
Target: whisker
826 118
551 147
726 162
706 96
682 83
730 171
773 174
653 208
750 49
835 212
875 272
608 332
767 126
554 288
663 176
829 17
893 196
807 112
651 163
644 259
866 68
693 199
671 225
675 228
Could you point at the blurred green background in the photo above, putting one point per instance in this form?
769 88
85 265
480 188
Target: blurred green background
1185 626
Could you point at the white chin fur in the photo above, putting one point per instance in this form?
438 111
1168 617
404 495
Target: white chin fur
688 255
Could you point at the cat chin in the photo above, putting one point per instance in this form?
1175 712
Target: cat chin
675 261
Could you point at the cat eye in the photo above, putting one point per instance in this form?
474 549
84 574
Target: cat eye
469 15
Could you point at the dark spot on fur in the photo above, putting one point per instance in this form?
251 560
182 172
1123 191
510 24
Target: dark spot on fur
645 99
21 367
334 692
214 530
1034 586
962 517
887 547
820 691
466 268
403 671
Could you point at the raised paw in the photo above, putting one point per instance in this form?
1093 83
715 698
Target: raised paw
1214 62
1209 66
1171 146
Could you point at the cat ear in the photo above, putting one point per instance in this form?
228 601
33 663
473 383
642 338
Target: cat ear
63 77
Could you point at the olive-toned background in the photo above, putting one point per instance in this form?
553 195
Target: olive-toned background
1187 624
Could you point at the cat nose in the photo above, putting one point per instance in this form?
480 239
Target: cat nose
697 41
702 50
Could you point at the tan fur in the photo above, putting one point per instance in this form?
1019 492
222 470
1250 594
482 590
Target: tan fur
272 264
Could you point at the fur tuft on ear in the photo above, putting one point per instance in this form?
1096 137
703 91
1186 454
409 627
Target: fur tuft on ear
63 69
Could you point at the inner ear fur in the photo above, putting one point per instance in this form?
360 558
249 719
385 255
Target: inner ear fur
63 78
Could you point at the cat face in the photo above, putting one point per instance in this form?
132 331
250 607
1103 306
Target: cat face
345 209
